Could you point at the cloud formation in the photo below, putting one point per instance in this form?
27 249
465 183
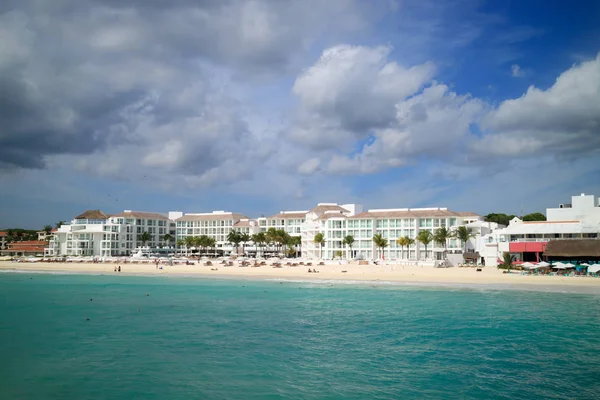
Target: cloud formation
125 90
120 88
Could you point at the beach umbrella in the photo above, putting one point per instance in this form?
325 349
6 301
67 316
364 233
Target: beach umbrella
527 265
568 265
543 264
585 265
594 268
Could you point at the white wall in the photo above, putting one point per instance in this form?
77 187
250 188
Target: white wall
584 208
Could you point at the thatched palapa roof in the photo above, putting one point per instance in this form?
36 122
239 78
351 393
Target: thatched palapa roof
573 248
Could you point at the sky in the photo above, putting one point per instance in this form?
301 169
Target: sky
259 106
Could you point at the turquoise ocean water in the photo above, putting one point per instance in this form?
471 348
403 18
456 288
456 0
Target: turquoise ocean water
225 339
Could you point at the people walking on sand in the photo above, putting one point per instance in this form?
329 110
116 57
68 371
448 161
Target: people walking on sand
119 268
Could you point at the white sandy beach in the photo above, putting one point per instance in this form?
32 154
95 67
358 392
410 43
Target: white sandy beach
367 273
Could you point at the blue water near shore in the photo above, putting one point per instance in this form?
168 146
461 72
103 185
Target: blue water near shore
211 339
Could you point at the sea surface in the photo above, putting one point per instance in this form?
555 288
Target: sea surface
123 337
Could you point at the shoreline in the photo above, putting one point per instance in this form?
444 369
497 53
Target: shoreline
388 275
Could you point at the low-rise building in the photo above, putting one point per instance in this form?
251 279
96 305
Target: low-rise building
527 241
26 248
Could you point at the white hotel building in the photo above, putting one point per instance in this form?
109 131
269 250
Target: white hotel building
527 241
95 233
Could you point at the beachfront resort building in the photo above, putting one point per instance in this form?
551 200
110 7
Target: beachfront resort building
94 233
527 241
336 222
216 224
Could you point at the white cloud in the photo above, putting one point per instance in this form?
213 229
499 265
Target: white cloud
350 90
563 120
310 166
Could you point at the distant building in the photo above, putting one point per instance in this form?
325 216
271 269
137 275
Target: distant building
26 248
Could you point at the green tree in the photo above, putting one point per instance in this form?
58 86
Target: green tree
189 243
296 243
349 241
441 236
179 244
144 237
502 219
234 237
403 242
47 229
319 239
506 261
380 242
425 237
244 238
464 234
167 238
259 240
534 217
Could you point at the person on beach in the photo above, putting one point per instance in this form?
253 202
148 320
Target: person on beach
119 268
115 268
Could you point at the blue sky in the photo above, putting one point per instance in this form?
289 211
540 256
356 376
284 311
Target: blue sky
259 106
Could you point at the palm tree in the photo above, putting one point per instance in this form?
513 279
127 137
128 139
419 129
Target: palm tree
425 237
259 239
203 242
320 240
189 243
244 238
380 242
144 237
349 241
179 243
464 234
235 238
507 260
210 242
403 242
47 229
295 241
441 236
410 242
167 238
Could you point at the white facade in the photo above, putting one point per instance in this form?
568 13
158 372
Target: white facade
216 224
579 219
390 223
94 233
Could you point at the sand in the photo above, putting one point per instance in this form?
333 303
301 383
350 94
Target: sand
366 273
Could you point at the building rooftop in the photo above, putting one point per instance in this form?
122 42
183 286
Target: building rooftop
289 215
3 234
573 248
411 213
140 215
213 217
322 207
242 224
92 214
